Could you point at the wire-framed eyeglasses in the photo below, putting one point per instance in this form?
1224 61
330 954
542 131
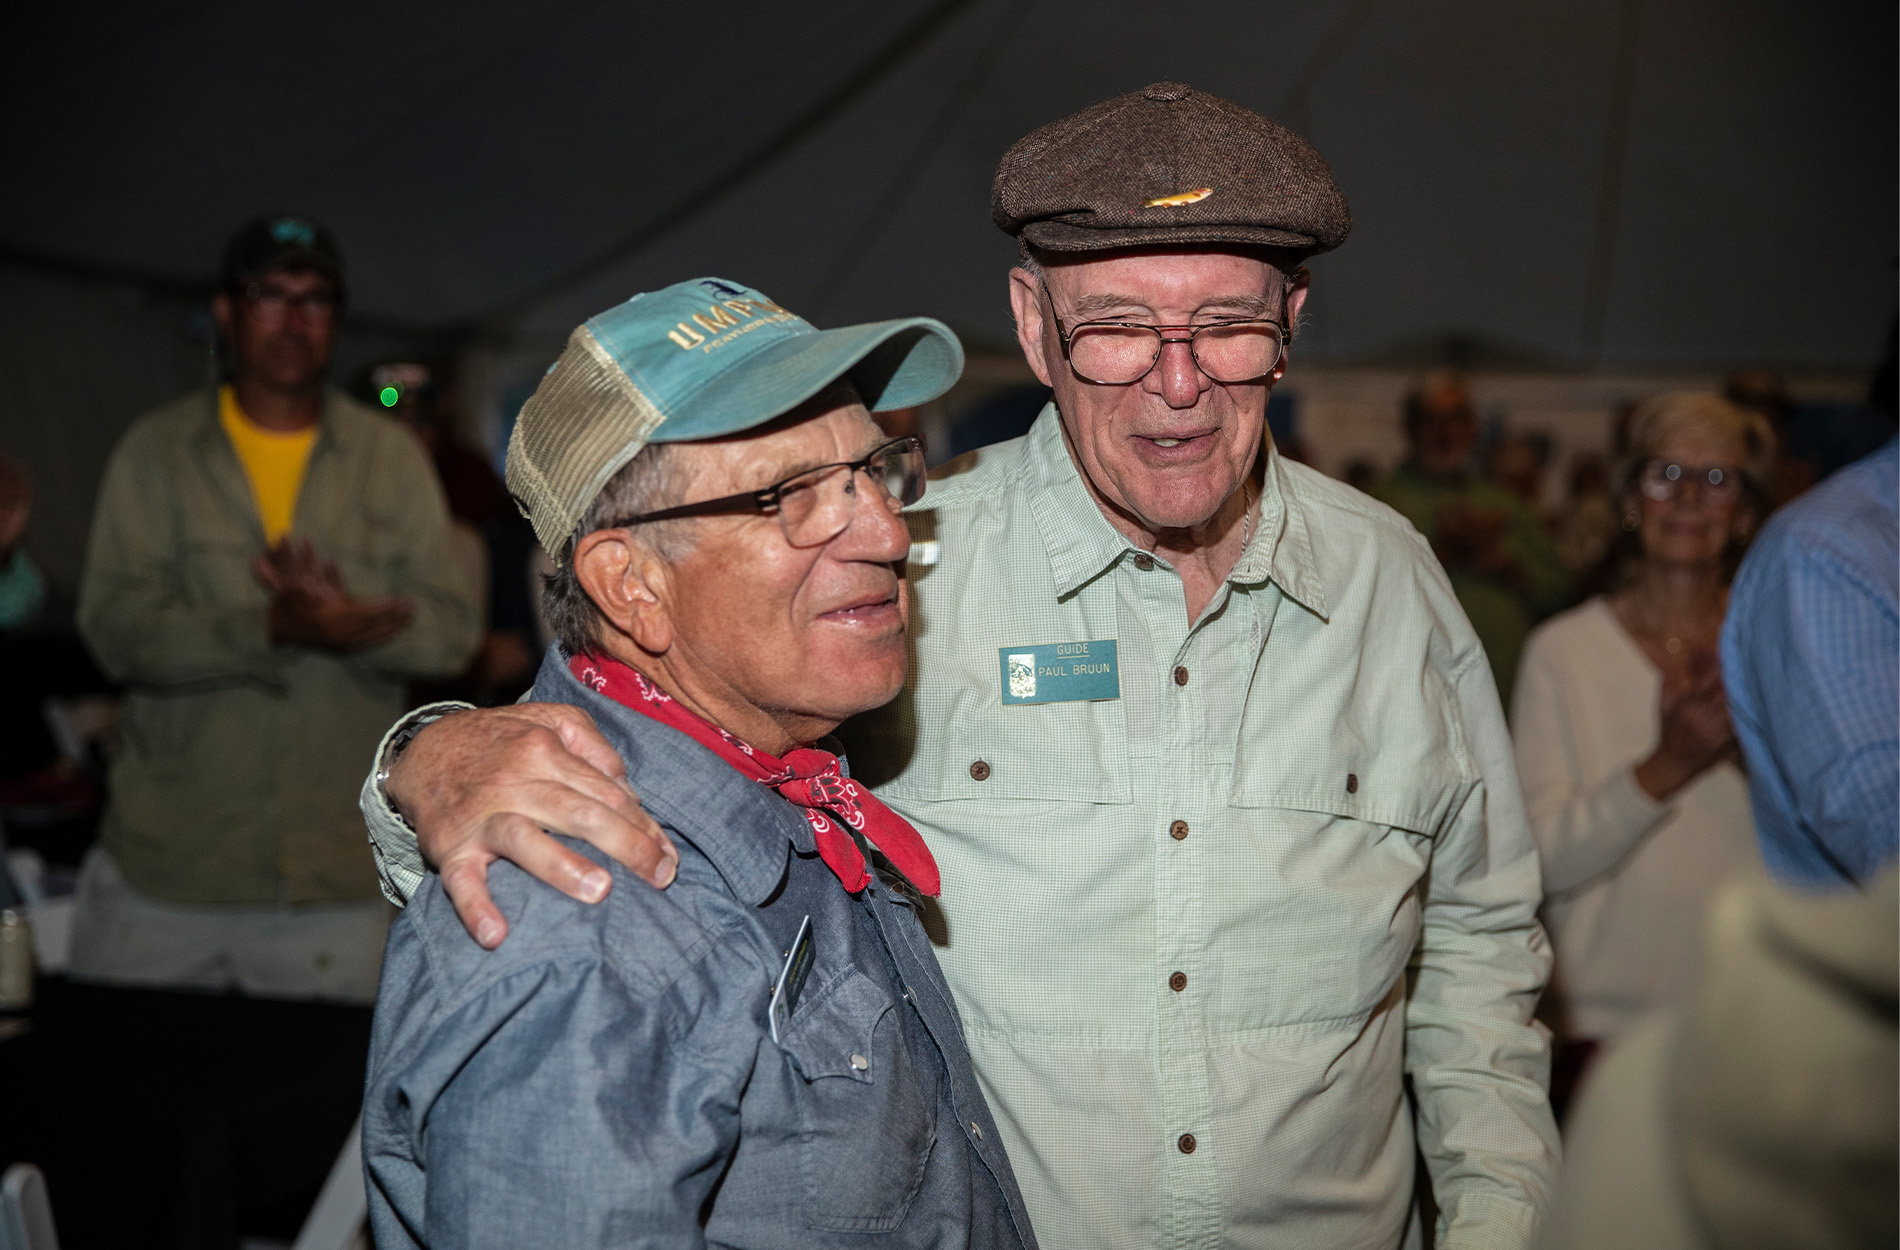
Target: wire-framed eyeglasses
275 302
817 505
1661 479
1118 353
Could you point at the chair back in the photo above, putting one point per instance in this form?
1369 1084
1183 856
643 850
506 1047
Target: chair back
26 1217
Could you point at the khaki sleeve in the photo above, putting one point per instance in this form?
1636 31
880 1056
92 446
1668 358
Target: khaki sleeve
136 610
441 588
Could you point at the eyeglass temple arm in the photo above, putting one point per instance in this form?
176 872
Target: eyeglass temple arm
750 500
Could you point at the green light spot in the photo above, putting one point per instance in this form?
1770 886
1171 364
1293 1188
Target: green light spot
390 396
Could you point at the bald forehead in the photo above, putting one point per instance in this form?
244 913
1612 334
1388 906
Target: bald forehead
1208 280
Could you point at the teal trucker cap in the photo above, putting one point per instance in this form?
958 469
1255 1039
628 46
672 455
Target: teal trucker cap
698 359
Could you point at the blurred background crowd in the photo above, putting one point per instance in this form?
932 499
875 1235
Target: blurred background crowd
1623 288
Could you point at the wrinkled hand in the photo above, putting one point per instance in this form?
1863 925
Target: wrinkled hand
1696 731
484 785
310 607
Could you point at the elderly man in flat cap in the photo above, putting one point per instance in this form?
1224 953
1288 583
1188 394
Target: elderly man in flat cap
1213 763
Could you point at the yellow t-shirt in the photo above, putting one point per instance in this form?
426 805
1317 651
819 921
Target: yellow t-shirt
273 461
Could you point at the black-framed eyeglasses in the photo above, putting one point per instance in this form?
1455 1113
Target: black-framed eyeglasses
1661 479
1118 353
817 505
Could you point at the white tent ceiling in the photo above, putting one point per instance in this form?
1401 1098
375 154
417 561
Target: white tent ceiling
1625 182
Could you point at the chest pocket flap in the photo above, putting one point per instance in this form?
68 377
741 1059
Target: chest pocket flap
867 1106
1387 757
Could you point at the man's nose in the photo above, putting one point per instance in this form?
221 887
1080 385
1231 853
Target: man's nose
877 530
1176 377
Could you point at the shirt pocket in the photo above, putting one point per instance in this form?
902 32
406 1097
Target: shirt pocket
868 1108
1349 868
371 548
971 746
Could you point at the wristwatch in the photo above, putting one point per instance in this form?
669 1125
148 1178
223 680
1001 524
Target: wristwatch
396 743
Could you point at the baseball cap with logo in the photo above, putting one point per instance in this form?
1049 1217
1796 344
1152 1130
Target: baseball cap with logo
280 241
698 359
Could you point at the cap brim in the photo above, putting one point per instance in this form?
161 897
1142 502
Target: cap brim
893 364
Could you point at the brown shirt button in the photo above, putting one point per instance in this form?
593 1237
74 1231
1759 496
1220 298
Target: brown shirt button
1180 674
979 771
1144 562
1178 982
1178 830
1187 1143
1352 783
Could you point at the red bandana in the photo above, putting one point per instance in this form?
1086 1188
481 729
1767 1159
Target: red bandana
807 776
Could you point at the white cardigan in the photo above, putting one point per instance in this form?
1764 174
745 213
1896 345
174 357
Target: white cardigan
1626 879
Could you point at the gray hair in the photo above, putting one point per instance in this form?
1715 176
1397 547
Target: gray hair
647 483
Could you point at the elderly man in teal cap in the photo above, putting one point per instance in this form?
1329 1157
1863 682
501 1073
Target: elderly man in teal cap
766 1054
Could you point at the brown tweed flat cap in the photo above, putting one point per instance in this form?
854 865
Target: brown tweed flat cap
1167 164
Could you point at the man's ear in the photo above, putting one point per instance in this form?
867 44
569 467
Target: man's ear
1025 300
221 313
629 584
1298 283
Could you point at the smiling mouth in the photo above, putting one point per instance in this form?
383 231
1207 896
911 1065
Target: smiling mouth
1168 441
863 609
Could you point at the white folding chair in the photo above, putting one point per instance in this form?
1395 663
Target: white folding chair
26 1217
336 1221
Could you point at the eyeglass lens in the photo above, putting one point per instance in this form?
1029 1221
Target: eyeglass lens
1116 355
276 303
1662 480
817 506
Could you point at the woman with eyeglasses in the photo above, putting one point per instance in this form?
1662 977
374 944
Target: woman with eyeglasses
1631 774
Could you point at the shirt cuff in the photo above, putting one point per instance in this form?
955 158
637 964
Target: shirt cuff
1491 1222
392 840
1631 804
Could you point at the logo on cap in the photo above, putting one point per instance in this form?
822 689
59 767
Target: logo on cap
1176 201
290 230
718 320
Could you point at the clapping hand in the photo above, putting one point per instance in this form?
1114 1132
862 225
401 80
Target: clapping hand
1696 731
309 606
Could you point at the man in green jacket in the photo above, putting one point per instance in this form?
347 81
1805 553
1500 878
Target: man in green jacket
269 564
1504 567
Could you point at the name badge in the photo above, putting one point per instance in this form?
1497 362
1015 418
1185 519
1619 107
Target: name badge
791 981
1060 672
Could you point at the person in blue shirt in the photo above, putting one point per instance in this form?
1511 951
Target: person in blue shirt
1811 658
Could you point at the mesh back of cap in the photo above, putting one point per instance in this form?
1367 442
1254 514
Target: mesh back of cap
583 423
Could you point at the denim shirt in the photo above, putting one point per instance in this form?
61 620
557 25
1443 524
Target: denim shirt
608 1078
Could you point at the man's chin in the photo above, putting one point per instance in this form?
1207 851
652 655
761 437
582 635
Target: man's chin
1178 511
858 679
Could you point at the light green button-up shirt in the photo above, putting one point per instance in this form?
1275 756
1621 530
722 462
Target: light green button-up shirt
1350 901
1201 933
